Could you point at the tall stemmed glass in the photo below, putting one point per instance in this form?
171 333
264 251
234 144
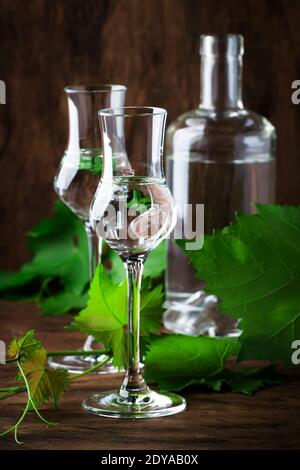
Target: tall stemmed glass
78 177
134 211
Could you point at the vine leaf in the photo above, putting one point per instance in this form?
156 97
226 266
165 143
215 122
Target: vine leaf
44 384
23 345
175 362
58 274
253 266
105 317
40 383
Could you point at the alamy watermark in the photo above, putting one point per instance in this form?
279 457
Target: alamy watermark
2 92
140 225
2 352
296 354
295 96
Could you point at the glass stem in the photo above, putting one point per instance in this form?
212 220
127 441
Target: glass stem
95 249
134 383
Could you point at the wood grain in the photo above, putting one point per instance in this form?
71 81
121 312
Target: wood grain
149 45
268 420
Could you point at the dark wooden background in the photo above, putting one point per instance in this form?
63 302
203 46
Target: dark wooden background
152 47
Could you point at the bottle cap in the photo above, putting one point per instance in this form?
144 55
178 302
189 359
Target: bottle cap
221 45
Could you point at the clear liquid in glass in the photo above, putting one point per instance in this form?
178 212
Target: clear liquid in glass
140 214
77 180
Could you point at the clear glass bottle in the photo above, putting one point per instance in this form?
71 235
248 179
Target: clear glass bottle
220 155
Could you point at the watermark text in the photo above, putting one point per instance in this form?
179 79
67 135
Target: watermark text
2 352
2 92
296 354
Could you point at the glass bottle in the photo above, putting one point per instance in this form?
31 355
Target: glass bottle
220 155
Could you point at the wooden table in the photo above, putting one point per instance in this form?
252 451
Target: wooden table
268 420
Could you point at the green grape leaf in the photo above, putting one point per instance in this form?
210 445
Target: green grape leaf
175 362
155 264
60 259
116 270
248 380
139 202
151 309
92 164
63 302
23 346
253 266
44 384
13 281
105 316
60 249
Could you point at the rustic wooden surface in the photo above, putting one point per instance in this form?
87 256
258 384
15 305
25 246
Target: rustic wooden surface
269 420
152 47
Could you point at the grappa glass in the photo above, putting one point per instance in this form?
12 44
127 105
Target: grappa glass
133 211
77 179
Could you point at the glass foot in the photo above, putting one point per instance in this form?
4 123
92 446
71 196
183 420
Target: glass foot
147 405
78 364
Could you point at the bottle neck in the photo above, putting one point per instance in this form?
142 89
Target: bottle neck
220 78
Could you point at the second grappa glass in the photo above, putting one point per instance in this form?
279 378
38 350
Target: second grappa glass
77 179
